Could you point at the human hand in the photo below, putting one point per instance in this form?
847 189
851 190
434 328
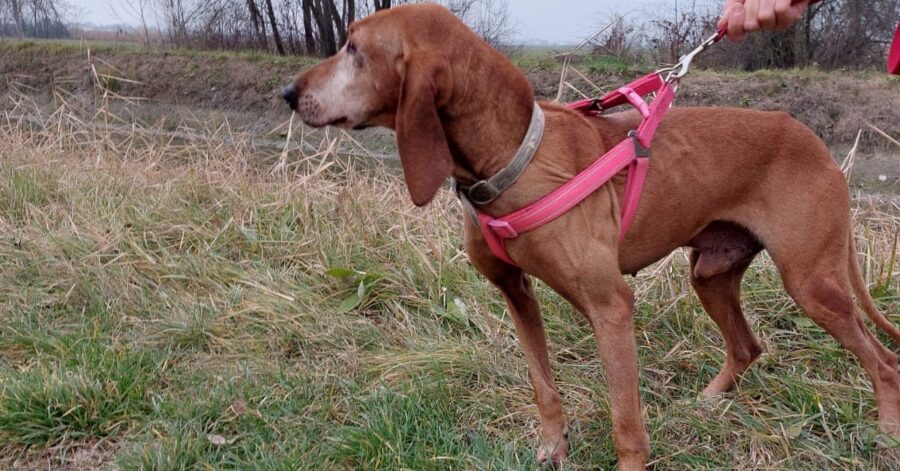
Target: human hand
745 16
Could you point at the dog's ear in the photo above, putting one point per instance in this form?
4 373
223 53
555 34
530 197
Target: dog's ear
424 152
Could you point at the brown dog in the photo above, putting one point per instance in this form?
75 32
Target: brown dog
725 182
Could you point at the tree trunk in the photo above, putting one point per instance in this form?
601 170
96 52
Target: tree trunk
142 5
808 47
308 34
339 26
382 5
17 17
350 13
327 41
277 37
258 25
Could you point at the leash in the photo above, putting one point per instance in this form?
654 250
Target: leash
631 154
680 69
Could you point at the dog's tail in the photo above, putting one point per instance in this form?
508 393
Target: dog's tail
865 299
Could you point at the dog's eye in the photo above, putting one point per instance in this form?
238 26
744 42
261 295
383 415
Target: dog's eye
351 47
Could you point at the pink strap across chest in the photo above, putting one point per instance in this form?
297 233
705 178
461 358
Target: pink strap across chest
632 153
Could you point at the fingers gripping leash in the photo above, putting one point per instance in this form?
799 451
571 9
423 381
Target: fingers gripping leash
681 68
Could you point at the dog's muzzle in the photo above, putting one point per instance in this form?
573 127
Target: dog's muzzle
289 93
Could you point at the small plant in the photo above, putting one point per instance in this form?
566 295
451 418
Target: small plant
364 282
111 83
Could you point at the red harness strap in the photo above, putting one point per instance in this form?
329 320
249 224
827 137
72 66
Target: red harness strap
632 153
894 57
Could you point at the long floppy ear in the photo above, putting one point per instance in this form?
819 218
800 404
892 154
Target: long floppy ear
424 152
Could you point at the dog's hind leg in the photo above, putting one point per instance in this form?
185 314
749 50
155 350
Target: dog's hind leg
720 296
809 240
824 295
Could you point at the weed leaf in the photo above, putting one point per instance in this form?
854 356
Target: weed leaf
340 272
350 303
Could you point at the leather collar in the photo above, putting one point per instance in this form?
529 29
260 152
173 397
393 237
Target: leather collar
485 191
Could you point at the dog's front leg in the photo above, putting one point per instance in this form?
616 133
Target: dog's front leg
611 318
526 316
596 288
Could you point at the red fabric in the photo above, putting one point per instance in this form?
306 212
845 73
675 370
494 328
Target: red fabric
621 157
894 58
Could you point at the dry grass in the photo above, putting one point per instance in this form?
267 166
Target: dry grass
171 302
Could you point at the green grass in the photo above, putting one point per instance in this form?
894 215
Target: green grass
611 65
91 392
177 307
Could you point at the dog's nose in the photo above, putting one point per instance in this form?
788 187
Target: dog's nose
289 93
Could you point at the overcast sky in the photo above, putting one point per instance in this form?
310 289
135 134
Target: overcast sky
562 21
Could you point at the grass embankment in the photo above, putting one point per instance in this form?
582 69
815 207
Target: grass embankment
170 304
244 87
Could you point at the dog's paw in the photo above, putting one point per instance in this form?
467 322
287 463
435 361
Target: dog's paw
553 452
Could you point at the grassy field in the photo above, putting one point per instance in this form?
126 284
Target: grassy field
172 303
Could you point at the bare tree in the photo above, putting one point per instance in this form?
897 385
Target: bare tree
309 34
259 25
850 32
35 18
137 9
316 27
16 6
327 37
619 40
832 34
675 29
279 45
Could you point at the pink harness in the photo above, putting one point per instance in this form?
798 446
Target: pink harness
632 153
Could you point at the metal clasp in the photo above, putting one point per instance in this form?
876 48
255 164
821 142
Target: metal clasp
482 192
639 149
680 69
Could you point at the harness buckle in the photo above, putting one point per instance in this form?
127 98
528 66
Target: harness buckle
639 149
588 106
503 229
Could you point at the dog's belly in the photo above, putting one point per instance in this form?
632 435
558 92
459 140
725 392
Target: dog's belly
720 246
714 183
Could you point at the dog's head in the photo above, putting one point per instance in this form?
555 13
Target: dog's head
394 71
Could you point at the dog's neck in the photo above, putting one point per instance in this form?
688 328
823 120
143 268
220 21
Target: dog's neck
488 117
